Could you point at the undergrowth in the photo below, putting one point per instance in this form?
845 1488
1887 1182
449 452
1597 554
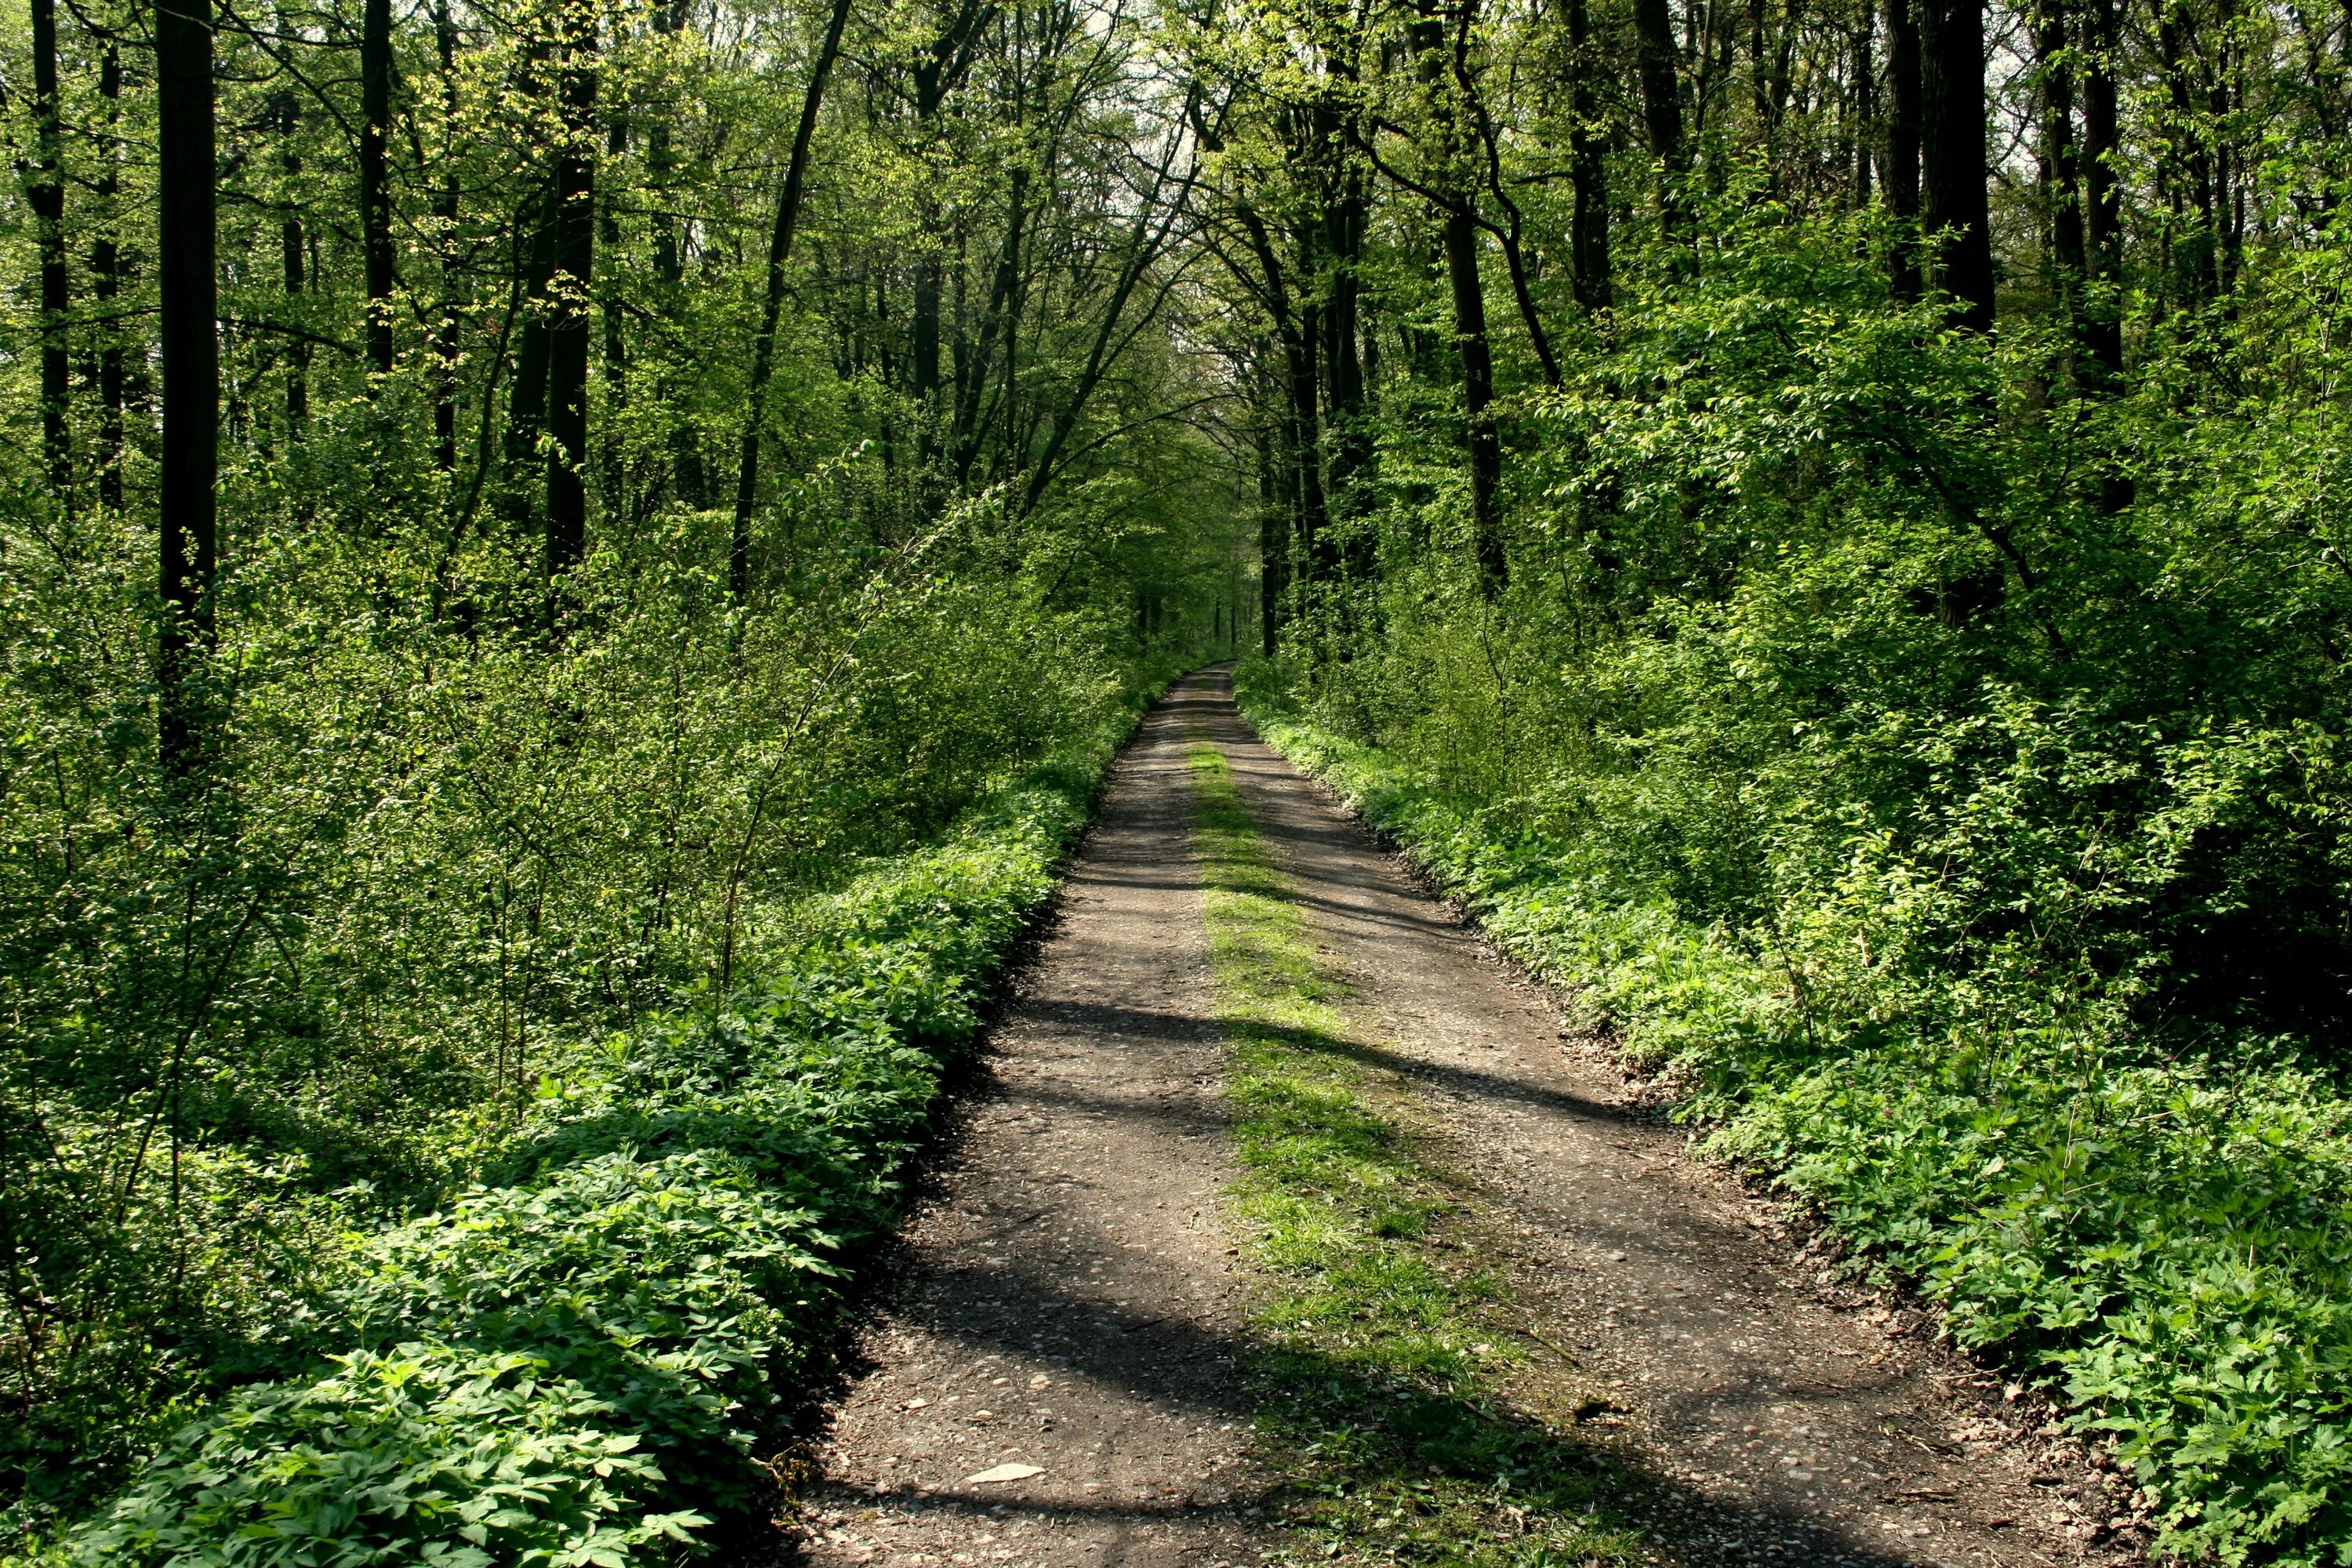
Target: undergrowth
1404 1453
2160 1241
578 1359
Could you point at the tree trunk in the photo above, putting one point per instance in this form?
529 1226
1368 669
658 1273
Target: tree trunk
1901 175
105 274
1661 111
1952 169
611 465
2102 333
1588 167
1484 446
187 537
1342 233
292 265
375 180
1312 538
445 208
1273 543
2061 183
573 212
45 193
763 347
1864 108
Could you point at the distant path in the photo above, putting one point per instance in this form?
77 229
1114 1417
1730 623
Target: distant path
1074 1303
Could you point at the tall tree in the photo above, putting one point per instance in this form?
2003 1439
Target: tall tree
45 193
375 177
1901 172
1662 110
573 213
2062 185
187 535
1957 209
292 258
2103 325
780 251
1588 167
106 269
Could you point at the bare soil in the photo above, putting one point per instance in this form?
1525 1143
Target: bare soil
1076 1301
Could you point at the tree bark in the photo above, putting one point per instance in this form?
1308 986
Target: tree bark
1588 167
293 265
763 347
1863 106
444 210
2062 181
2102 333
1273 543
45 193
1661 112
1957 209
1484 446
573 215
105 274
1901 175
376 180
188 536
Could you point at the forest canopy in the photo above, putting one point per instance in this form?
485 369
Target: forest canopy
1822 512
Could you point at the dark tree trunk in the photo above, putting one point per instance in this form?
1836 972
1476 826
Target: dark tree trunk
763 347
527 402
1952 165
609 465
2061 182
105 274
1864 108
1342 239
1901 175
292 265
692 478
2190 156
1313 539
1662 110
445 208
573 214
45 193
1484 446
375 179
1273 544
188 540
1588 168
2102 333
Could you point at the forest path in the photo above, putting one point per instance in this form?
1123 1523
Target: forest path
1076 1302
1073 1301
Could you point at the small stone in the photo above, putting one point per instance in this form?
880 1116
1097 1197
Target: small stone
996 1473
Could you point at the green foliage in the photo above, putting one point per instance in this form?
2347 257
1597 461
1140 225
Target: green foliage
576 1364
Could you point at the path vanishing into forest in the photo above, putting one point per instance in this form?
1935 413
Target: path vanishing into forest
1073 1309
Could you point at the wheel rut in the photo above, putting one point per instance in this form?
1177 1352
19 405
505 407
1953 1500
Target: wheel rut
1076 1305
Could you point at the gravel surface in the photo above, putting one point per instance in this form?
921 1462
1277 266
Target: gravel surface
1075 1307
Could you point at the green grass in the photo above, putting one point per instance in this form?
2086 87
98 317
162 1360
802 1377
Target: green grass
1384 1369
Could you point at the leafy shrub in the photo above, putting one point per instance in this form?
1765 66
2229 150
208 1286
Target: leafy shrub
574 1364
2165 1241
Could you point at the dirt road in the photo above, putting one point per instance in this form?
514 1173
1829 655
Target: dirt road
1062 1375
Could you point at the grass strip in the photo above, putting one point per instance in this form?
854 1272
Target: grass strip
1383 1396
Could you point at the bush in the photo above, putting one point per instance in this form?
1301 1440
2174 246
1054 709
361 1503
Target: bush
576 1364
